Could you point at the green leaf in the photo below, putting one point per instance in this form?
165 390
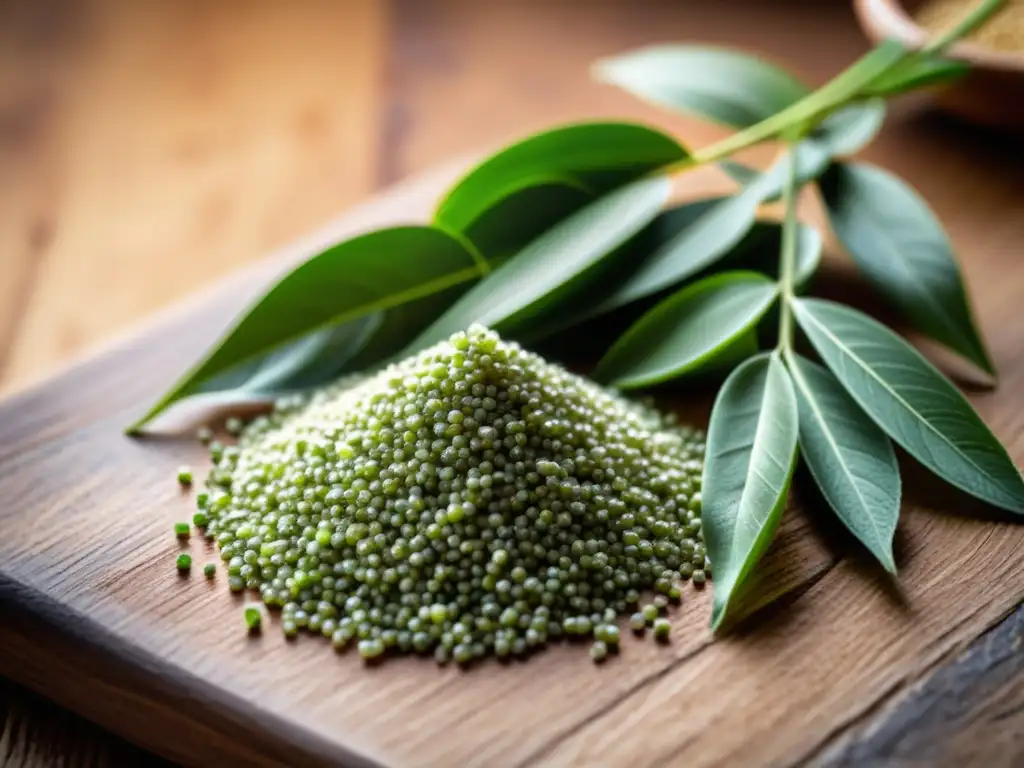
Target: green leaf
713 231
844 132
837 92
811 162
348 281
505 228
918 71
309 360
597 156
850 129
912 402
751 451
739 172
760 249
687 330
728 87
561 262
895 239
850 458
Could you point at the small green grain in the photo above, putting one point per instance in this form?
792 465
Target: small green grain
253 617
662 628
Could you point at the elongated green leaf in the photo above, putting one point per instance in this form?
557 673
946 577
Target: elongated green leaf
506 227
918 71
850 458
751 451
811 162
598 156
848 130
760 249
711 235
554 265
912 402
739 172
725 86
844 132
893 236
687 330
351 280
846 85
312 360
307 361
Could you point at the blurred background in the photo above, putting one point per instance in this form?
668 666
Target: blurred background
150 147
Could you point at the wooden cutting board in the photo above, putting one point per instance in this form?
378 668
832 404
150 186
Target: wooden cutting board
837 664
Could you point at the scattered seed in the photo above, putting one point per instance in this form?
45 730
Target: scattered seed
662 628
253 617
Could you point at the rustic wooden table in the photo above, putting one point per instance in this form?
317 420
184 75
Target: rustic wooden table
148 148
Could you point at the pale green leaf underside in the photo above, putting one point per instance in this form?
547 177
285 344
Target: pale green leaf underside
687 330
760 251
307 361
899 244
725 86
360 277
912 402
709 236
757 250
545 270
751 451
850 458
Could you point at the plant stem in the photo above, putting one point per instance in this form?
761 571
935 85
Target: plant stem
841 90
970 22
787 261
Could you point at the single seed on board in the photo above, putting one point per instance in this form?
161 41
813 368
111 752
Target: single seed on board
662 628
253 617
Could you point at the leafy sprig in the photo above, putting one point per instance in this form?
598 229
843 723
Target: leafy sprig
570 225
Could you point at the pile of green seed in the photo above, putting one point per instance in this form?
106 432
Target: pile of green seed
470 500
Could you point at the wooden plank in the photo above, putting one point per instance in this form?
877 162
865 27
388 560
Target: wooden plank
968 711
84 410
841 646
122 584
37 734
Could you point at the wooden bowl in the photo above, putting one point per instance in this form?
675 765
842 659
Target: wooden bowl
991 95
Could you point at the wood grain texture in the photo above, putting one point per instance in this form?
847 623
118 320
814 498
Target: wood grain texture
845 641
969 711
158 145
464 75
36 733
